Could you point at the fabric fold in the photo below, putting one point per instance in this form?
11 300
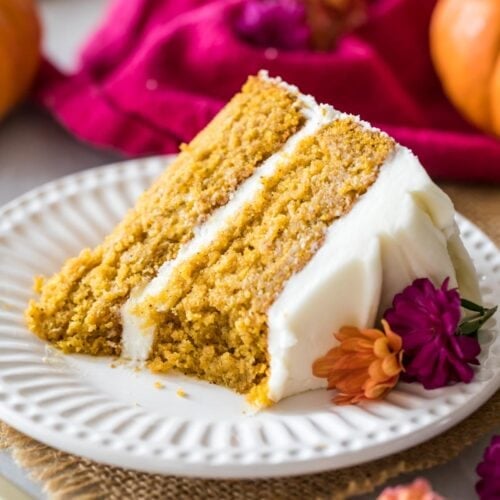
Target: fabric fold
155 73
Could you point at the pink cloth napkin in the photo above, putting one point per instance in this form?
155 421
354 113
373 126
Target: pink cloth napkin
156 72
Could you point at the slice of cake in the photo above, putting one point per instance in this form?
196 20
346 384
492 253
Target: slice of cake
281 222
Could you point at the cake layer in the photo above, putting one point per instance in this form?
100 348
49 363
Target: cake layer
210 317
79 308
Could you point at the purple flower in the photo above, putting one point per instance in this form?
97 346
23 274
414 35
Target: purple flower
488 487
280 24
427 319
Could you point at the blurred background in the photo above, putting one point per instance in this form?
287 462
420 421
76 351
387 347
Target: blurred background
132 78
34 148
88 82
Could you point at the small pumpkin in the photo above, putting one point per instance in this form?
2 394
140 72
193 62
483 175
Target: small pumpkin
19 50
465 48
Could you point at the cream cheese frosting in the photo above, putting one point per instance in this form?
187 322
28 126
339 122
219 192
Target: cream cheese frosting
403 228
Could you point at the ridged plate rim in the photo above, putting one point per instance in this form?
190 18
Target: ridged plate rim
246 446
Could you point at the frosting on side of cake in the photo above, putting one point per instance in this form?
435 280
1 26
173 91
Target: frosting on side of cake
401 229
137 339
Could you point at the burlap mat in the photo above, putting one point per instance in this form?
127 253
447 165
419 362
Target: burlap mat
68 477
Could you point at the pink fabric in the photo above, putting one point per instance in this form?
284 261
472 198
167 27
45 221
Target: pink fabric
156 72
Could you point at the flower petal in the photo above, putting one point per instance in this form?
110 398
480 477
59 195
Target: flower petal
381 347
353 382
322 366
353 360
376 391
372 334
376 371
489 471
347 332
356 344
395 340
427 318
347 399
391 365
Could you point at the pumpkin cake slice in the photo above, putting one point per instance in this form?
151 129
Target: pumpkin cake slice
281 222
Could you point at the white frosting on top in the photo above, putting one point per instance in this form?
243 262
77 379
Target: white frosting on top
403 228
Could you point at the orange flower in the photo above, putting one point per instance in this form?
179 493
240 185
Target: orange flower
366 364
420 489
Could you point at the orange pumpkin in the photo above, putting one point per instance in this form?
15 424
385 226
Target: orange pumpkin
19 50
465 48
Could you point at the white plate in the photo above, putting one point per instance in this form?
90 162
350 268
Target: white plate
115 415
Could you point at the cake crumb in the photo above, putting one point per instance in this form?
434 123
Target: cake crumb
6 306
38 282
116 362
52 357
181 393
85 296
159 385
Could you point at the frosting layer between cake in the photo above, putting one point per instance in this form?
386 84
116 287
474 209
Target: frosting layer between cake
208 314
137 339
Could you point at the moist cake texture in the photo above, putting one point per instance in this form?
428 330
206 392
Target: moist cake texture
211 320
78 309
279 223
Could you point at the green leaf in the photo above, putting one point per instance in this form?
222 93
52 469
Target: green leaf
468 328
471 306
471 325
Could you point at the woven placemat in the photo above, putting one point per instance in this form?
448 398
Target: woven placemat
66 476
